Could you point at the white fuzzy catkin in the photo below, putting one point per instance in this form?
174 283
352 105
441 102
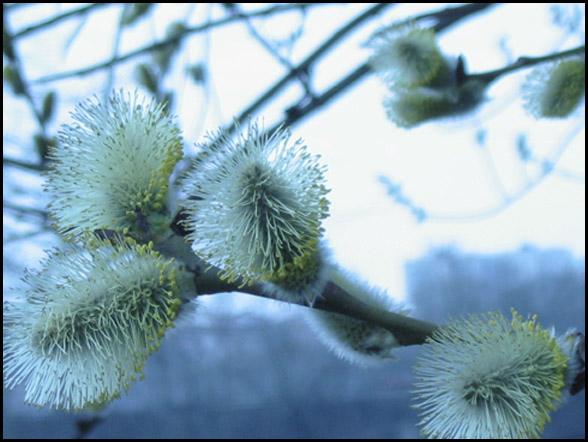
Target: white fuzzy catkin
412 107
406 56
555 90
424 84
485 377
111 167
255 206
88 323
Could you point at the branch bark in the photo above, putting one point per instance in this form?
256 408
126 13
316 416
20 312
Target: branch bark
407 330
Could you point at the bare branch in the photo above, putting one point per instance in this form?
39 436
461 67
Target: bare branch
308 104
21 164
407 330
58 18
305 65
525 62
25 211
174 40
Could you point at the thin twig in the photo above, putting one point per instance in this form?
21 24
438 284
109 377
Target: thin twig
305 66
234 9
24 236
549 167
302 76
525 62
171 41
117 39
24 87
305 107
309 104
21 164
22 211
494 175
58 18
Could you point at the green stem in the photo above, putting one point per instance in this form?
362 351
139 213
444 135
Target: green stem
525 62
407 330
334 299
